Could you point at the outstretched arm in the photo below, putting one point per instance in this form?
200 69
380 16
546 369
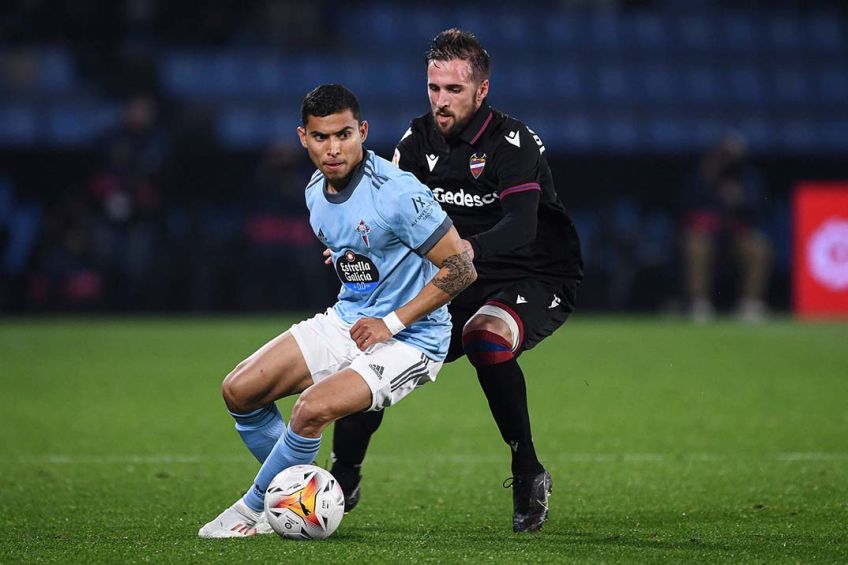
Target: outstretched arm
456 272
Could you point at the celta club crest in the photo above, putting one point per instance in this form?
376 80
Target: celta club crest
363 229
477 164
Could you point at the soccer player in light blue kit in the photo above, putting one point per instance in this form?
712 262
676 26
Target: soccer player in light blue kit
399 259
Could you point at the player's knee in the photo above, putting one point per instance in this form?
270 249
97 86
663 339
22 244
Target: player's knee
310 414
235 390
485 347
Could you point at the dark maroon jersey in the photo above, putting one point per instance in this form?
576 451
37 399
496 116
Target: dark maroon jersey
472 175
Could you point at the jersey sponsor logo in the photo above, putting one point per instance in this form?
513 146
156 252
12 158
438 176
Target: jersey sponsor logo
513 138
362 229
477 163
357 272
431 161
520 300
462 198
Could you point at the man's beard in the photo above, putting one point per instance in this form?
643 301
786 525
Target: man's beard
455 129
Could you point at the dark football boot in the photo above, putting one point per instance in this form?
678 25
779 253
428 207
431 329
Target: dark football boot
349 479
529 500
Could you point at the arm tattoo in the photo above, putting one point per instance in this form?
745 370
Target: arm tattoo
460 274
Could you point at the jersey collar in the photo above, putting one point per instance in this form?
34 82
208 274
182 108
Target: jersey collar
347 191
478 124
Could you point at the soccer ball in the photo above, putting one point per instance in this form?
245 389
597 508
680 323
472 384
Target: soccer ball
304 502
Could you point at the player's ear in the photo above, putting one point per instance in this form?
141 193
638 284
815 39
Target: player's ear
363 130
483 90
301 133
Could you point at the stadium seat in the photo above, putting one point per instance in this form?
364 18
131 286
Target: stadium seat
704 88
80 122
649 32
56 72
18 124
826 34
747 86
740 33
832 86
784 33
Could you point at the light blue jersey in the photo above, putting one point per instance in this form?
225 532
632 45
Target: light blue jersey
379 229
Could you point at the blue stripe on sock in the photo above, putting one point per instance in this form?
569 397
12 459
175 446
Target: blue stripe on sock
259 416
300 440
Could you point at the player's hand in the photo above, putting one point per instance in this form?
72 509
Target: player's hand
369 331
328 253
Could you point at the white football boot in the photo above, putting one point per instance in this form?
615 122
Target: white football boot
263 526
237 521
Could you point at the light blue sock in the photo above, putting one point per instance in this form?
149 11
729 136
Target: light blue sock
260 429
291 449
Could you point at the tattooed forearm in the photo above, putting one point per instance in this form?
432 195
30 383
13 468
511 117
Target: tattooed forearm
460 273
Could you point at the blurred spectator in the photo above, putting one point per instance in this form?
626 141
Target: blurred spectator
723 204
20 224
283 267
127 203
65 273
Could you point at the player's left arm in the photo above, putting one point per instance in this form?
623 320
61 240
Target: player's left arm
456 272
518 171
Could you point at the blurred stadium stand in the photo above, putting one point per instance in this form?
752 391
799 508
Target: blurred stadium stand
624 94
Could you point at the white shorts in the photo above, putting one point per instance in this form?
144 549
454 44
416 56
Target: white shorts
392 369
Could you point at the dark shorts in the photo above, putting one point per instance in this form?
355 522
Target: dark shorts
538 306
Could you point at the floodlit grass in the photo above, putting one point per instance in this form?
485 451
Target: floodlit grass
668 442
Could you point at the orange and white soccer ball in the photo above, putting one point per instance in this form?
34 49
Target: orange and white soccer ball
304 502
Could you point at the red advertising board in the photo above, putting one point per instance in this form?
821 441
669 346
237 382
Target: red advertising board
820 273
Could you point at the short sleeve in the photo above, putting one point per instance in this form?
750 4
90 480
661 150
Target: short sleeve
517 161
405 153
412 213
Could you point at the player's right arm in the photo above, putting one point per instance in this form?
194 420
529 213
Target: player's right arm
456 272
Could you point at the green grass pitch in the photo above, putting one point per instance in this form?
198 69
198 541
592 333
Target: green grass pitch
668 442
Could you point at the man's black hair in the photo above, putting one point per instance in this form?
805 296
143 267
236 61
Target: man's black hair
458 44
329 99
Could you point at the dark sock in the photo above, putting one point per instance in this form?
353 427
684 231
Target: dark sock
506 392
351 435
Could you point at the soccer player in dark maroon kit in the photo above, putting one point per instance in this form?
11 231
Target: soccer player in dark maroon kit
490 174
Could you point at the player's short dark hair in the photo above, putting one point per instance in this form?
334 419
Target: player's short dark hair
455 43
329 99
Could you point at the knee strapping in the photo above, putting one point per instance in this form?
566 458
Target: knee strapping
483 348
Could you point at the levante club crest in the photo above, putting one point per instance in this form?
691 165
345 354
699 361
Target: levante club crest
477 163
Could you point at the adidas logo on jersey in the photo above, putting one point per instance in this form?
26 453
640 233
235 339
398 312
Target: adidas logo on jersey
378 369
520 300
513 138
